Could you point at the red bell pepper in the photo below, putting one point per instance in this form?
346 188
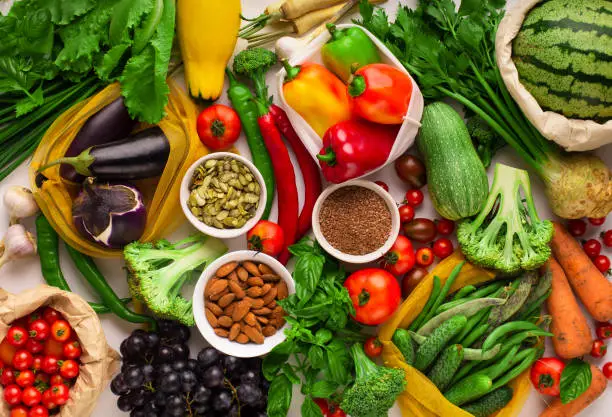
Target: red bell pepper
354 147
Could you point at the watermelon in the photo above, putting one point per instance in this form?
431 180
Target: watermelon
563 54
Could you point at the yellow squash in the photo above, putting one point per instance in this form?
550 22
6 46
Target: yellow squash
207 31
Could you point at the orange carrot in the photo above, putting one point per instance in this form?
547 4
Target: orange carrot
572 334
558 409
593 289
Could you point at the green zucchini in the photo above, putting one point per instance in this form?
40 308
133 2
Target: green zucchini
431 348
402 340
469 389
456 178
490 403
446 366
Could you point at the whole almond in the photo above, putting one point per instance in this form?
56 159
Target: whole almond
221 332
229 310
256 303
214 308
254 334
265 269
209 284
216 287
226 269
242 274
210 316
270 278
250 319
258 326
265 289
281 322
216 297
226 300
282 290
233 277
234 331
269 331
278 313
262 311
254 292
271 304
235 288
241 309
255 282
252 268
225 321
242 338
262 320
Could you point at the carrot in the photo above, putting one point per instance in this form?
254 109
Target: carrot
558 409
572 334
593 289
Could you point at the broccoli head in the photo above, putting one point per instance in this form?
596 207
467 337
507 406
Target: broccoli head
254 63
507 235
375 389
157 272
486 141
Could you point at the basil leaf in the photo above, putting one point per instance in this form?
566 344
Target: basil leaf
279 397
323 389
290 374
323 336
310 408
307 273
273 362
338 362
316 357
575 379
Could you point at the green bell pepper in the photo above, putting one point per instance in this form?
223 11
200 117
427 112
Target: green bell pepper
348 50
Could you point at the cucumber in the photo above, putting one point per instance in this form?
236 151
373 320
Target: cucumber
456 178
446 366
490 403
469 389
439 338
402 340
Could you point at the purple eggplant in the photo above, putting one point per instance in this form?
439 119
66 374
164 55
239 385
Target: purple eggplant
109 214
111 123
143 155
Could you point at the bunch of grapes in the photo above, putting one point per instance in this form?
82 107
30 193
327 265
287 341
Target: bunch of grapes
158 379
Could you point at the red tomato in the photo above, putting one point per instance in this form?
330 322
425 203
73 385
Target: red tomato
25 378
372 347
414 197
336 411
41 380
72 350
17 336
602 262
48 400
7 351
375 294
37 363
57 379
597 221
22 360
607 237
445 226
266 237
19 411
406 213
576 227
400 258
53 347
592 248
34 346
12 395
31 396
607 370
61 331
381 93
383 185
424 256
39 330
50 365
7 376
60 393
603 330
443 248
38 411
420 229
599 349
218 127
546 375
69 369
322 403
51 315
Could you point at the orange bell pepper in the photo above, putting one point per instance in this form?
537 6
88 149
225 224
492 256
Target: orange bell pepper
317 95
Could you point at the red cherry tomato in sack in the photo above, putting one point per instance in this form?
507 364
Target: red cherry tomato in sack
50 315
604 330
400 258
545 375
607 238
443 248
382 185
54 348
31 396
602 262
57 379
60 393
25 378
38 411
39 330
266 237
597 221
414 197
7 376
17 336
22 360
406 213
576 227
599 349
34 346
12 395
19 411
445 226
592 248
48 400
69 369
373 347
7 351
61 330
375 294
37 363
72 350
424 256
218 127
607 370
50 365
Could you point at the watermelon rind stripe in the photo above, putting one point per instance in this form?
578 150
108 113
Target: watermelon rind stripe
582 42
595 12
573 25
570 70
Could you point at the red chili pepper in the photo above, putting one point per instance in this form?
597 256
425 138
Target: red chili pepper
288 205
309 168
352 148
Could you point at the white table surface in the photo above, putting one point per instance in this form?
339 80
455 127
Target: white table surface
24 274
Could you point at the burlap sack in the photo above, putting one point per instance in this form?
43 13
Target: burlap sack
98 363
572 134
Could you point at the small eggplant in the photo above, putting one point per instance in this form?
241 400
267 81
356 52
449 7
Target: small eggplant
143 155
110 214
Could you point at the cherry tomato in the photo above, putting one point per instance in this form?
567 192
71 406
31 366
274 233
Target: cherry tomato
372 347
412 279
411 170
41 380
12 395
414 197
603 330
424 256
597 221
266 237
72 350
22 360
592 248
420 229
443 248
336 411
607 370
53 347
50 315
599 349
7 376
48 400
545 375
607 238
61 331
50 365
60 393
445 226
34 346
31 397
69 369
576 227
322 403
218 127
57 379
39 330
37 363
602 262
25 378
382 185
400 258
375 294
19 411
7 351
406 213
17 336
38 411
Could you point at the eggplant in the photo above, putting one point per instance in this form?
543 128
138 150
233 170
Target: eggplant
110 124
143 155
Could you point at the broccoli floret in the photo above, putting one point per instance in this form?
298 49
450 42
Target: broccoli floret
157 272
254 63
507 235
375 389
486 141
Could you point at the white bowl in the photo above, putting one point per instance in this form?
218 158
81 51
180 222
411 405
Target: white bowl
213 231
357 259
313 142
222 344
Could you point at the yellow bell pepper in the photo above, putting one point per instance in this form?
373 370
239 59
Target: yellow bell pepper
207 31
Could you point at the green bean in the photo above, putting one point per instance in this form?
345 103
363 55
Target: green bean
472 322
543 287
480 355
506 328
475 335
535 306
435 290
517 370
464 292
518 338
464 371
445 289
486 290
502 366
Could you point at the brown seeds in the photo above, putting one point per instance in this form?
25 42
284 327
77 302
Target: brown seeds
226 269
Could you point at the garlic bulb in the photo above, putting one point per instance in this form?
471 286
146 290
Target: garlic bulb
17 243
20 203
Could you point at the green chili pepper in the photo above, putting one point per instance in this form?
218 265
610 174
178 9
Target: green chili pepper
243 102
348 50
